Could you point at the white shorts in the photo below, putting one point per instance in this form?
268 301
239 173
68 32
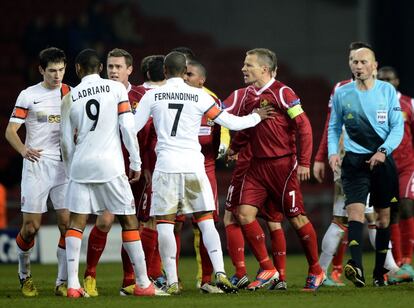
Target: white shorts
93 198
339 209
181 193
41 180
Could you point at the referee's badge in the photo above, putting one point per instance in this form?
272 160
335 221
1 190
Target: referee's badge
382 116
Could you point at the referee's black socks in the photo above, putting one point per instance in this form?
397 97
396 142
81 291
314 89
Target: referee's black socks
382 240
355 229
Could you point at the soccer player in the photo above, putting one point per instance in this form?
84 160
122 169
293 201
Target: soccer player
402 231
370 111
180 183
43 175
274 172
119 68
92 116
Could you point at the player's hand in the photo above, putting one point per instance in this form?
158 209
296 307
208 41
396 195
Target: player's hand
319 171
376 159
147 176
32 155
334 162
266 112
221 151
303 173
134 176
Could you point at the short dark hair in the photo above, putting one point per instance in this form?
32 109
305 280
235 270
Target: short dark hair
358 44
388 69
266 56
88 60
175 64
200 67
118 52
156 68
188 53
51 55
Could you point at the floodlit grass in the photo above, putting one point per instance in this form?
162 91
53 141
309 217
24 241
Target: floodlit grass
110 277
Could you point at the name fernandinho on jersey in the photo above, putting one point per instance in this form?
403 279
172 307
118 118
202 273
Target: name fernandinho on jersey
91 91
176 96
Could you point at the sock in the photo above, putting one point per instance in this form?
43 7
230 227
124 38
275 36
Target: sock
131 241
155 269
73 240
235 248
178 241
62 264
128 269
340 253
149 239
355 241
330 244
211 240
206 266
279 252
196 243
96 245
24 249
381 244
389 263
372 233
396 242
254 235
309 243
407 236
168 250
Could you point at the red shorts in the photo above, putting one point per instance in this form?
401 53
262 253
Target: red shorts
142 196
211 174
406 183
273 179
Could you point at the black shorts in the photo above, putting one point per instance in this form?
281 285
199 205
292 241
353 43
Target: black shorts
358 181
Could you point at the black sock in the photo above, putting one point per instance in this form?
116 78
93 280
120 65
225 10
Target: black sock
381 247
355 241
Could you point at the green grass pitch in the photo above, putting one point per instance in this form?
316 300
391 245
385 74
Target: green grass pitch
109 279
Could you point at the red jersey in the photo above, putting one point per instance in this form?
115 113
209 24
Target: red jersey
274 138
322 153
209 138
403 155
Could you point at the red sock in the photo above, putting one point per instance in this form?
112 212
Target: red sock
396 243
309 242
235 248
149 240
96 245
129 276
340 253
254 235
206 266
178 241
154 269
279 252
407 236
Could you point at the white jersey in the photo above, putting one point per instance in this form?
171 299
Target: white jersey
39 109
177 109
92 115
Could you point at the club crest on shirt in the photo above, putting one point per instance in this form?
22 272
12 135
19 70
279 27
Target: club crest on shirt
264 103
134 105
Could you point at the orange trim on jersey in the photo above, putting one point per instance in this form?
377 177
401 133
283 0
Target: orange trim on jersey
213 112
64 89
130 236
74 233
23 245
343 227
20 112
205 217
163 221
62 243
124 107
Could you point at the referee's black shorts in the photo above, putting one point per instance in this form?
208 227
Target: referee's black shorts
358 180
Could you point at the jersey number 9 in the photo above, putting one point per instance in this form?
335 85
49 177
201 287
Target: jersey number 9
92 113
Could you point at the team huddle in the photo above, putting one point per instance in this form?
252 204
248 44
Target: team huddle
146 154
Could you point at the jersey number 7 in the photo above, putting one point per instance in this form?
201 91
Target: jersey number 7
179 108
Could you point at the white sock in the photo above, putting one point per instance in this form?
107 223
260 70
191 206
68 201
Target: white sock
137 257
372 232
24 262
330 243
389 263
62 275
168 250
73 245
211 240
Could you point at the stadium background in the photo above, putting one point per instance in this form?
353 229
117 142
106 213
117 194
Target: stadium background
310 39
